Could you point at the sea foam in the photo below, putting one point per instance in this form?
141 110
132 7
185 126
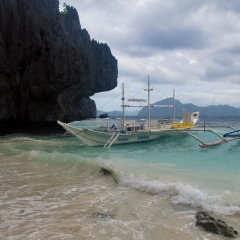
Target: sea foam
180 193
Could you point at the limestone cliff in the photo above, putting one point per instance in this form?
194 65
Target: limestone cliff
49 66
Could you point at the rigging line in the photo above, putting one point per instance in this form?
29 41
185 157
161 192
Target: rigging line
131 96
126 102
138 91
160 92
109 101
176 104
134 95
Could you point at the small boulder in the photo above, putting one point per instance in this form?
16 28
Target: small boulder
204 220
103 215
104 171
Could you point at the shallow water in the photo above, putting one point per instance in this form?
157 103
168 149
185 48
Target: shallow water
52 188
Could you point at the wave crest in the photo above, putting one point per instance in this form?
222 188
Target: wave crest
180 193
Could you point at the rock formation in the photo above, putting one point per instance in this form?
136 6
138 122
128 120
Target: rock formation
49 66
218 226
104 115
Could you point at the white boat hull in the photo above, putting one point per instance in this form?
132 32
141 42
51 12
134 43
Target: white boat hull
96 138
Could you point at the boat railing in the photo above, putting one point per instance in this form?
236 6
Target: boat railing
214 126
107 128
159 124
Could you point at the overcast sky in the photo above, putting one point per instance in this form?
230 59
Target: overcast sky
192 46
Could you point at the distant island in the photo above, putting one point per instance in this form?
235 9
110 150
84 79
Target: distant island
212 110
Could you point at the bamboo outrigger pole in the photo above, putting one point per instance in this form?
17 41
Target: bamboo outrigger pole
123 107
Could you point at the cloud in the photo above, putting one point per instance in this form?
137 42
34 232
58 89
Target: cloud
171 39
192 46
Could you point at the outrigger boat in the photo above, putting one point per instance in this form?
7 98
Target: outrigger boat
131 131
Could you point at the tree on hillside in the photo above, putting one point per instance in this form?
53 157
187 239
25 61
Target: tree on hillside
64 12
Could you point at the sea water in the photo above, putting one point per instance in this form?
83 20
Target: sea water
53 188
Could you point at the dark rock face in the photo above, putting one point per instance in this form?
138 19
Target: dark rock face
49 67
218 226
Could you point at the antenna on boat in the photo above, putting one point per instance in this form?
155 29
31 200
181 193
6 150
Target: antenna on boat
123 106
149 106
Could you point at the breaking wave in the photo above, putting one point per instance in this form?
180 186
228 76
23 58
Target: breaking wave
180 193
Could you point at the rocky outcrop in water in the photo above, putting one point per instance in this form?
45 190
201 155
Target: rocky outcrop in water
218 226
104 115
49 66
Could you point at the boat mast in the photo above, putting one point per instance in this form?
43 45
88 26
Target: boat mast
149 106
148 102
123 107
174 105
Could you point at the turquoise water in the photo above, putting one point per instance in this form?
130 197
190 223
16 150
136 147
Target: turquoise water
52 188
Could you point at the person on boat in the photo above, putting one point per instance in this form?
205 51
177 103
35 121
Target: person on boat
114 127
